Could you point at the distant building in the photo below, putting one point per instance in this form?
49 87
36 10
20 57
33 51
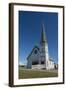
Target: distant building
39 56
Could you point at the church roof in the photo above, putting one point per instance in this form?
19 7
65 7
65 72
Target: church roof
43 36
32 51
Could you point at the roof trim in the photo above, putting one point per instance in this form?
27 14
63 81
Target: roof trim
32 51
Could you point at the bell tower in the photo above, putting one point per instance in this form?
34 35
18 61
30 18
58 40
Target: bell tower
44 54
43 36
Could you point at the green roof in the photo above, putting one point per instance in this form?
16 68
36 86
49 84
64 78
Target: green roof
43 36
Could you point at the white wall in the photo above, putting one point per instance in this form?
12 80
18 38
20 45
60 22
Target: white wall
4 45
51 66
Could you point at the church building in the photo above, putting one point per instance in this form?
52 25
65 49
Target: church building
39 56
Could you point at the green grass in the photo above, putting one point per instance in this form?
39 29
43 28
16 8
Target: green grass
24 73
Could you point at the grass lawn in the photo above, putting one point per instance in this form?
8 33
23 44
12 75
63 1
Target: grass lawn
24 73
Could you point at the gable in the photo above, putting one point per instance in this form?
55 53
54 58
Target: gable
34 51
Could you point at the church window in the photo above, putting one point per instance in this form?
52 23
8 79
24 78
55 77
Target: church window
42 62
35 51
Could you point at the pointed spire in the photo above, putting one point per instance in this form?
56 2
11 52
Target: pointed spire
43 36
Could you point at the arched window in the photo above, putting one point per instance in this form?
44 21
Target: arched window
35 51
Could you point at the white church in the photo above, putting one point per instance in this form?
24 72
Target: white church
39 56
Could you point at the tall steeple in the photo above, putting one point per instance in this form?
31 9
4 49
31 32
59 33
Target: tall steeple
43 36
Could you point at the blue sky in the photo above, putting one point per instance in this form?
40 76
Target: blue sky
30 27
